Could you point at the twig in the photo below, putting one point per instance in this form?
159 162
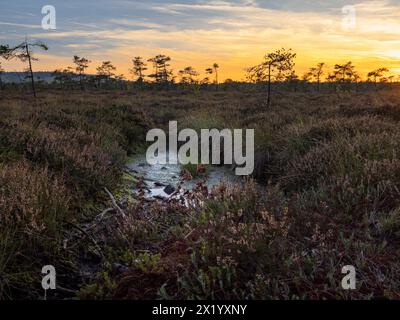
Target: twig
116 206
189 234
101 215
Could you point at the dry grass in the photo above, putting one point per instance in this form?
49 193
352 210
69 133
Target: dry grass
328 168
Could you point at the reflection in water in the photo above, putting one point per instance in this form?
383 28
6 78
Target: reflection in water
158 177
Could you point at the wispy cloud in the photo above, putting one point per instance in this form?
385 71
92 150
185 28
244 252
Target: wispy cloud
20 25
135 24
237 33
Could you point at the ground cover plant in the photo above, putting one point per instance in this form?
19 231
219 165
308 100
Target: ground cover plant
325 193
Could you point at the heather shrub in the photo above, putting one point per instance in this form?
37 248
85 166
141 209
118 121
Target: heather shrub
87 145
346 155
128 124
33 205
286 250
32 198
328 174
55 159
85 159
237 237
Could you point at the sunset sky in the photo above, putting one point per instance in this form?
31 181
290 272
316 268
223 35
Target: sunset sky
236 34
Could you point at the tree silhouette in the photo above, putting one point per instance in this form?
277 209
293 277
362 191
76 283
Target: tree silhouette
205 80
120 78
344 72
187 75
307 77
316 73
5 51
292 80
331 77
64 77
214 70
105 71
139 67
162 73
24 53
81 65
377 74
276 64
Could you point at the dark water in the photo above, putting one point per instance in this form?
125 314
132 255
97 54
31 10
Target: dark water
157 177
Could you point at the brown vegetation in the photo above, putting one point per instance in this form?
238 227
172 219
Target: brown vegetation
328 195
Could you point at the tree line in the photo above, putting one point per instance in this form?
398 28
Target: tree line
161 72
276 68
106 72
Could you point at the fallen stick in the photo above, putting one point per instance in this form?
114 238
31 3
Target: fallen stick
101 215
116 206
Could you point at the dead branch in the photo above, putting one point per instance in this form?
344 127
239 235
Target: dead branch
101 215
115 205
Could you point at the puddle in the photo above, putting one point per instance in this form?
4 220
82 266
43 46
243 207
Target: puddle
162 180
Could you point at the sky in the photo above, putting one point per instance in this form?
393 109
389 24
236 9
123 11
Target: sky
235 34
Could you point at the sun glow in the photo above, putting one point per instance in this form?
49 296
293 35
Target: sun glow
235 36
394 54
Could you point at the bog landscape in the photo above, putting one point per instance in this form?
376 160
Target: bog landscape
78 193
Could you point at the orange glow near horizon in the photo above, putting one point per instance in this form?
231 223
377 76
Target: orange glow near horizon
238 41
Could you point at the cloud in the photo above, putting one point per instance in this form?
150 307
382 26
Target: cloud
135 24
20 25
238 33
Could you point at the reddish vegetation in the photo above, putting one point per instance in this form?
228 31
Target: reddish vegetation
328 173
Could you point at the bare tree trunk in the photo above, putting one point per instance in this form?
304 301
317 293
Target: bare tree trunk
216 78
30 69
140 76
269 86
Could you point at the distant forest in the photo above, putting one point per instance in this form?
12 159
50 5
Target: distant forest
275 72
